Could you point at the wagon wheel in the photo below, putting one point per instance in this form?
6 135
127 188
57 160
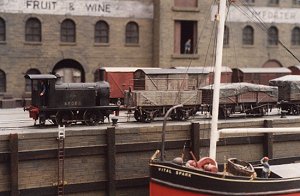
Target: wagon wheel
137 115
146 117
224 113
178 115
91 118
64 118
262 111
295 110
174 115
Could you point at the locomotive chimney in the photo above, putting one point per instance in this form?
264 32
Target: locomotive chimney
101 74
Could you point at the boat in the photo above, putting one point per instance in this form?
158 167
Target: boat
203 177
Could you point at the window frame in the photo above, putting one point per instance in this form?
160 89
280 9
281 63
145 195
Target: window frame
33 30
295 37
226 36
248 35
132 33
2 30
273 36
68 31
101 32
2 81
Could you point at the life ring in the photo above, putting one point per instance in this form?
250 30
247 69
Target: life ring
208 164
191 164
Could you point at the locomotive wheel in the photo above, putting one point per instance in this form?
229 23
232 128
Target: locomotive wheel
91 118
64 118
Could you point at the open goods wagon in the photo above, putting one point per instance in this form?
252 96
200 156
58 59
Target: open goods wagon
251 99
288 93
150 104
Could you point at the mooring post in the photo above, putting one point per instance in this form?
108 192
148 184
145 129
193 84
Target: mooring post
268 140
14 163
111 161
195 140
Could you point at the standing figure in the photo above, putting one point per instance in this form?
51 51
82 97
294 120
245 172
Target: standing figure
266 167
187 46
42 94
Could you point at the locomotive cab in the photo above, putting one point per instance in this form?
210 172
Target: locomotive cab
40 83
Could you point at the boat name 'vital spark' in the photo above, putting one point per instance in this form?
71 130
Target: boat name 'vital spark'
177 173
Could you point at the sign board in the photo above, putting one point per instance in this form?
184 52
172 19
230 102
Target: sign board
105 8
263 14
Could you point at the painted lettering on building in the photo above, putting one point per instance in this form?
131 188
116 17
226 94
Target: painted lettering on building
40 5
265 14
106 8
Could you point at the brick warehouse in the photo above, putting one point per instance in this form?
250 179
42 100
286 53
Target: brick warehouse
75 38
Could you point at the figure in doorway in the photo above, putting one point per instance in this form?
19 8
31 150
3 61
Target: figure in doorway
187 46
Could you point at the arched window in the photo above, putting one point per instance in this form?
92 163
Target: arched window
296 36
248 35
33 30
2 30
68 31
101 32
273 36
226 36
132 33
27 81
2 82
275 2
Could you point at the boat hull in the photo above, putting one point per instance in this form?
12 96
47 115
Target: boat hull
171 179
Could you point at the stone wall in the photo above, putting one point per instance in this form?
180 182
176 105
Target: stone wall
114 160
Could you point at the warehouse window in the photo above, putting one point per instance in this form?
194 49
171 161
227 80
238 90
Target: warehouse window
101 32
27 81
296 2
2 82
274 2
33 30
296 36
132 33
248 35
2 30
226 36
68 31
186 3
185 34
273 36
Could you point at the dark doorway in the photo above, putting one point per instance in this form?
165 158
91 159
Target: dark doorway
70 71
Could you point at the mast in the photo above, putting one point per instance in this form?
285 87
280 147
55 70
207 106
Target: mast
217 80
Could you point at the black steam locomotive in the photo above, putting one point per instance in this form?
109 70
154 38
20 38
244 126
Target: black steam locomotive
66 103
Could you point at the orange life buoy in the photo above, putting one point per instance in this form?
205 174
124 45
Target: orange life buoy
208 164
191 163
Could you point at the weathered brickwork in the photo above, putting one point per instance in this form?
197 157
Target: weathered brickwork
155 48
